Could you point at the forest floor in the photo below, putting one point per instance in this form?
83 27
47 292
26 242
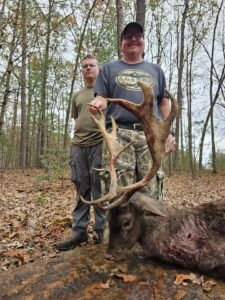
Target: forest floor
35 210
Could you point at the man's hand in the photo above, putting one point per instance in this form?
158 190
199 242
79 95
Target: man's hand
99 103
170 144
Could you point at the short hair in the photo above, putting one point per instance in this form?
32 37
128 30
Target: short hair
90 55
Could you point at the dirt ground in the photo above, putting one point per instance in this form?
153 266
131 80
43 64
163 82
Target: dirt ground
35 210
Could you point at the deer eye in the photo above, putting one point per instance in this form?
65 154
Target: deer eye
126 223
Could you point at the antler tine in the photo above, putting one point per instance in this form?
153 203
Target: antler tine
114 150
137 109
110 138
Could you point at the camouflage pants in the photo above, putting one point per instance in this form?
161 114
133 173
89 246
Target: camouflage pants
133 164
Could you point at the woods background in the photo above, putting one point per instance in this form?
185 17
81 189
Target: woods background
41 46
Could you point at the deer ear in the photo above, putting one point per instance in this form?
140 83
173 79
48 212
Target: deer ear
146 204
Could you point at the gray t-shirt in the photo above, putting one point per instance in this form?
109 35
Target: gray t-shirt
119 80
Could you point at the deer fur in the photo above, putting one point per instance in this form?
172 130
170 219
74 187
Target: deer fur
193 238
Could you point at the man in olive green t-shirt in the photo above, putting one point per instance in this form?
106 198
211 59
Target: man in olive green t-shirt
86 154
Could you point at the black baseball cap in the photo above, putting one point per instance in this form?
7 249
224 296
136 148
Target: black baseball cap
132 24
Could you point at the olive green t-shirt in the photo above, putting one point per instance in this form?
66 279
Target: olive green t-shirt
86 132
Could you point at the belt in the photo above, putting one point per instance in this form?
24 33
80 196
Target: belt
135 126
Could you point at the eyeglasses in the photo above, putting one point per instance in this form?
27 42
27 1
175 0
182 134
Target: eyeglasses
88 65
129 36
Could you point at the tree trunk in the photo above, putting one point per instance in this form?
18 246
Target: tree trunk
43 121
2 25
28 133
141 12
179 87
120 22
189 108
9 70
10 159
23 87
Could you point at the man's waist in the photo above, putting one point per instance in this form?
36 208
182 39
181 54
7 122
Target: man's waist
134 126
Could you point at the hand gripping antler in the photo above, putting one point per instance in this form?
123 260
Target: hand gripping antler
156 133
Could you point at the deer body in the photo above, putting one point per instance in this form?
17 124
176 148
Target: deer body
193 238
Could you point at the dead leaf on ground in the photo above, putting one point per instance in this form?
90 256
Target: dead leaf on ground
182 278
92 291
180 295
207 285
38 220
126 278
106 284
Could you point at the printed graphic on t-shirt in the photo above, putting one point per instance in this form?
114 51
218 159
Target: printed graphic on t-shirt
129 79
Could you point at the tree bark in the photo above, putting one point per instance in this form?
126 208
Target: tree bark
120 22
180 74
141 12
2 24
9 70
23 135
43 121
189 108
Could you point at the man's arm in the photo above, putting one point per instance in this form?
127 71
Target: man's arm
165 107
99 103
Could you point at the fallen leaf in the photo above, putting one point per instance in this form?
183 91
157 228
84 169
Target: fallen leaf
123 268
199 280
181 279
92 291
207 285
142 285
106 284
127 278
180 295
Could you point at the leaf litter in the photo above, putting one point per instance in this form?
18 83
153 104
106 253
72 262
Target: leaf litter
34 218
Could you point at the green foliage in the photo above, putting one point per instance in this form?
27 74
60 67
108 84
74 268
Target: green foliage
184 163
41 198
55 162
220 159
39 179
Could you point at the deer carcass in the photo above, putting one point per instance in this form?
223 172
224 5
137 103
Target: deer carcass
193 238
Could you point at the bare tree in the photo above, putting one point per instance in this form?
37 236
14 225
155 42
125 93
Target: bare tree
180 74
213 95
23 86
141 12
120 21
9 69
2 25
43 121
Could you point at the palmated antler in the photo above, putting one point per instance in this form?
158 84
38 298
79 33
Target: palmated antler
156 133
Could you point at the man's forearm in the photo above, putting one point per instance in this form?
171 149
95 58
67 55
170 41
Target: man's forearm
99 103
165 107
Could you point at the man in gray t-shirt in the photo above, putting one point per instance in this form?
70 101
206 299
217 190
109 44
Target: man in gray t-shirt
119 80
